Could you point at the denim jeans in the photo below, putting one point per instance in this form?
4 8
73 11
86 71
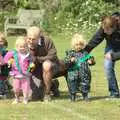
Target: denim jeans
111 77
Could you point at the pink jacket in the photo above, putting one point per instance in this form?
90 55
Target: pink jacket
24 61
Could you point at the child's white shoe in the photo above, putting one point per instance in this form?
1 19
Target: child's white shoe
16 101
25 101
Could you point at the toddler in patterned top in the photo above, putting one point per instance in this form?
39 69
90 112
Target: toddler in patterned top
77 61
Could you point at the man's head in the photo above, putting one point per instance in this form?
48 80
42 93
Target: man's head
109 24
33 35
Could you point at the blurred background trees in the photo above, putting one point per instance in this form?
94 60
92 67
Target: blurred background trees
63 15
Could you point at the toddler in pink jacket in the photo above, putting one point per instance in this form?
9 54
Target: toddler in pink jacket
20 61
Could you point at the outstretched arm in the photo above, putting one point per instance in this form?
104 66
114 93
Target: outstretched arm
96 40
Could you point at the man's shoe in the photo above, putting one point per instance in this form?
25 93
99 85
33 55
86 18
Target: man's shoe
56 93
55 88
47 98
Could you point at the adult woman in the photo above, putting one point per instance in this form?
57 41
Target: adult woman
109 31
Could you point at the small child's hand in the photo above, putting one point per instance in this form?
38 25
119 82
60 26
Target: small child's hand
10 62
73 59
91 61
32 67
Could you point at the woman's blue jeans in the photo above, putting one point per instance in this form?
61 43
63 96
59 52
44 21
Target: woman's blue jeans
111 77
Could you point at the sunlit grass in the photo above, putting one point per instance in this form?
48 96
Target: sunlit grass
99 108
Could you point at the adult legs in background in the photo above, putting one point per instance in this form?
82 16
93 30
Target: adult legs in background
111 77
47 78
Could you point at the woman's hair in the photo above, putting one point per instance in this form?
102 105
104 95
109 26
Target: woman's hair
2 37
78 39
109 22
116 15
20 40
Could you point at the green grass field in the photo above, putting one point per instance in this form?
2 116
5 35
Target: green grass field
98 108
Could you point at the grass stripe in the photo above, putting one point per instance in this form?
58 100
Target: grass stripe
70 111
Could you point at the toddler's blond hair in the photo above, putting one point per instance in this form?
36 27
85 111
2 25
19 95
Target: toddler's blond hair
78 39
20 40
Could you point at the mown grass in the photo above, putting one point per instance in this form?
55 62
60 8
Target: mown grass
98 108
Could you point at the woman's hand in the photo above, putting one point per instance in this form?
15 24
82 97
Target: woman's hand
108 56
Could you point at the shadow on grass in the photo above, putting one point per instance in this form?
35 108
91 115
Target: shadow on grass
63 95
98 98
93 98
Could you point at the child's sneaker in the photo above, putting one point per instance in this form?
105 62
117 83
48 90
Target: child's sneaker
1 96
16 101
85 96
73 97
25 101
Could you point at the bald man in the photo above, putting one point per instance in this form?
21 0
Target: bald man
44 55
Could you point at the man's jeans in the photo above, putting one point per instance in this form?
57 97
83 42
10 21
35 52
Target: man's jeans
111 77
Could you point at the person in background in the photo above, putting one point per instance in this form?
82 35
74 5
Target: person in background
109 31
5 87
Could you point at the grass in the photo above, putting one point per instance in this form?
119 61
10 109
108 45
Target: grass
62 109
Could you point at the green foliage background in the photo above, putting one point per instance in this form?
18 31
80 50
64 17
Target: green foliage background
62 19
69 16
81 15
